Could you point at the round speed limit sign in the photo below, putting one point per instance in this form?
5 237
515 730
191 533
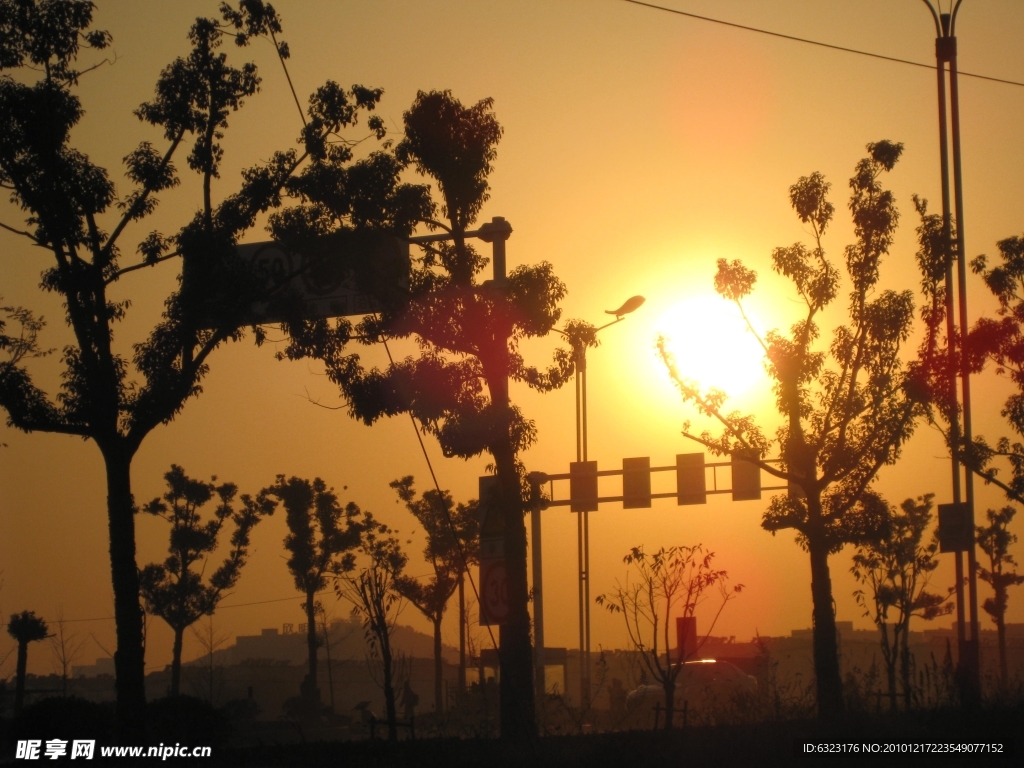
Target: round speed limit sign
495 592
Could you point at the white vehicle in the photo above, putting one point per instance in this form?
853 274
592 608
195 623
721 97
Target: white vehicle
700 683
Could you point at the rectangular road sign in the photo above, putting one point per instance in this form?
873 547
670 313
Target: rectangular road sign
636 483
493 581
746 478
583 486
691 485
956 527
328 279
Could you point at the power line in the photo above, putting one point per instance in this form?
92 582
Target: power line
815 42
219 607
264 602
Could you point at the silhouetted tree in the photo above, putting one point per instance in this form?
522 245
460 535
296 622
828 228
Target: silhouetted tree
669 584
896 569
25 628
210 642
175 592
452 540
325 640
66 647
469 334
320 541
370 585
74 213
999 340
995 541
842 423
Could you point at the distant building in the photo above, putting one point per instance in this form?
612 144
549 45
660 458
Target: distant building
269 667
103 666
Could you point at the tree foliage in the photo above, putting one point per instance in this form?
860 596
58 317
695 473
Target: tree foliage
25 628
320 542
173 590
1000 340
847 406
453 540
669 583
896 568
995 541
468 330
74 212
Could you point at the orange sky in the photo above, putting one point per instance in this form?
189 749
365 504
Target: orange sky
639 147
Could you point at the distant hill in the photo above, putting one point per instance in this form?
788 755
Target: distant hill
288 645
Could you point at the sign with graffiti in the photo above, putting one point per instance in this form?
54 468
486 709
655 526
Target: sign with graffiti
337 275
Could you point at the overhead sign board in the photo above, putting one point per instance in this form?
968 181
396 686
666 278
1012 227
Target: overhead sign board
338 275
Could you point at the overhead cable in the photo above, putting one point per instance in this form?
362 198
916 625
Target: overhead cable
815 42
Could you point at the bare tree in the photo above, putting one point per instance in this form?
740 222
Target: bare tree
896 569
210 642
369 586
66 648
325 640
669 583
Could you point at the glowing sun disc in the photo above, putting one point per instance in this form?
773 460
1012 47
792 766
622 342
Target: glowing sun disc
712 345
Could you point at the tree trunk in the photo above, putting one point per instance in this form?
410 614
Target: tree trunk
515 651
389 687
905 671
179 633
889 658
828 681
310 690
129 658
1001 633
330 666
438 667
19 684
463 624
670 701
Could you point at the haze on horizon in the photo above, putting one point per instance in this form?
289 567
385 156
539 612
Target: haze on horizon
638 148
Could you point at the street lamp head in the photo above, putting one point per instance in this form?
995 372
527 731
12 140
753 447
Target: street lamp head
631 305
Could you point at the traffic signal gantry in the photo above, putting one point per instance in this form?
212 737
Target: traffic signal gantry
692 487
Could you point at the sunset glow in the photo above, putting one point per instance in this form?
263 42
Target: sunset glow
713 346
641 144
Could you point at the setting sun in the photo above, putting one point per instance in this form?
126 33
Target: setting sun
712 345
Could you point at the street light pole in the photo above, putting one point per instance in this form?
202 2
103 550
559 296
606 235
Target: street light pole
580 342
945 53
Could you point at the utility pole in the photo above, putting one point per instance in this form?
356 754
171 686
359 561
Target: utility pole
969 652
515 652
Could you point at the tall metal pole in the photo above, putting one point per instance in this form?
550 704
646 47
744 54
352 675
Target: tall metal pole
945 53
974 648
582 530
515 648
579 352
538 585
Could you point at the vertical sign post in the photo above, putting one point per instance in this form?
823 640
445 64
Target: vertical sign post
494 606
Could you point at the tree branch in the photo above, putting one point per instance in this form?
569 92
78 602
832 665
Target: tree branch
23 233
141 265
129 214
